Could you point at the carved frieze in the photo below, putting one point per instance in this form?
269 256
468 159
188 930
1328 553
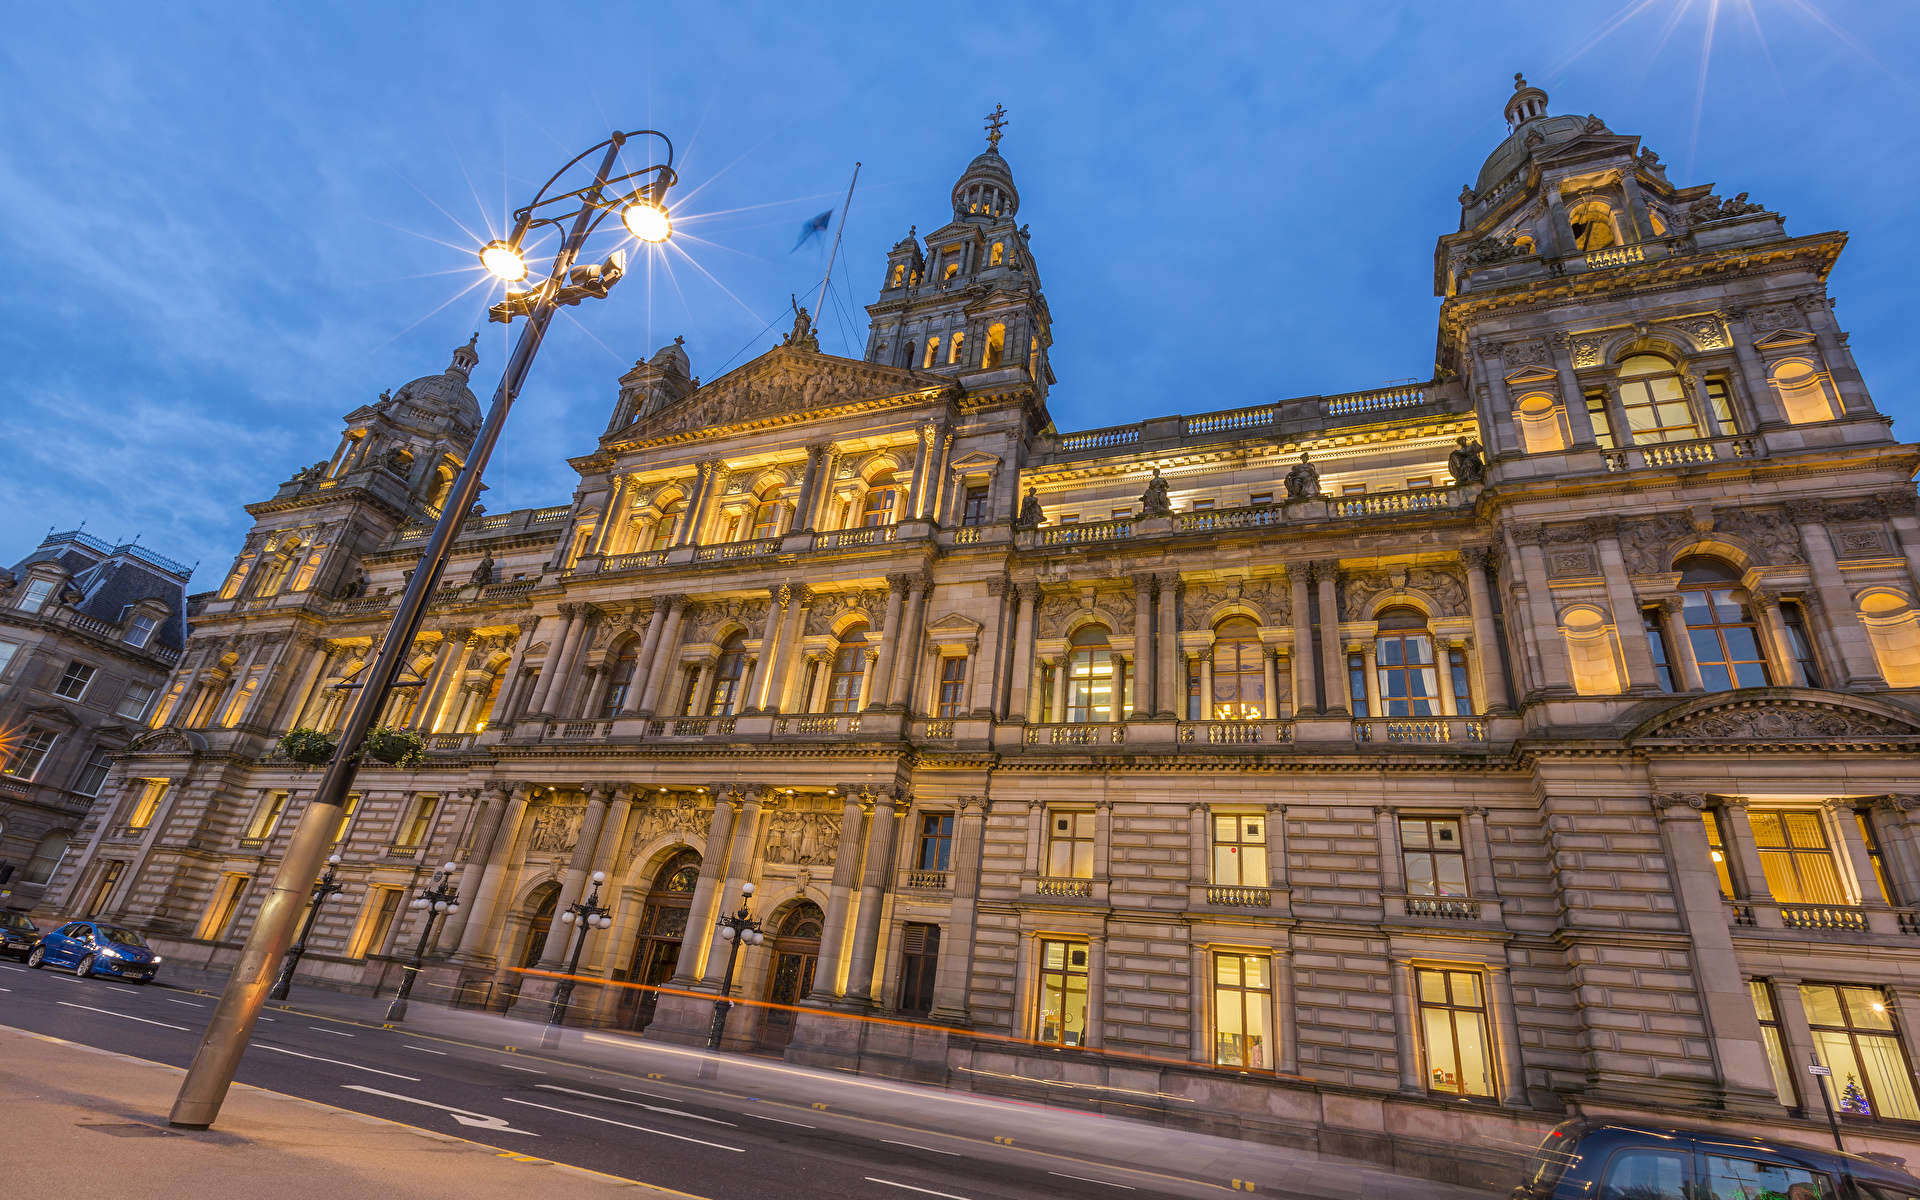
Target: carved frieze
1444 588
556 828
1780 316
1588 350
1780 721
828 608
1525 354
690 818
1704 332
782 385
1773 539
703 620
1647 544
803 839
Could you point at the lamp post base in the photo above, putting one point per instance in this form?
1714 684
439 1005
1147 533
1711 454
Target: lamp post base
288 965
720 1010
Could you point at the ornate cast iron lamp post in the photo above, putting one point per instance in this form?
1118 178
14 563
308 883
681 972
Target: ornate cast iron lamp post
324 889
738 928
435 901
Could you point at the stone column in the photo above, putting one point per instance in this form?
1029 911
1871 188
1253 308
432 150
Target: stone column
1478 561
554 951
873 886
1781 663
1579 424
1894 828
483 917
1679 645
1510 1067
602 542
690 529
1166 645
563 699
1856 650
1286 1052
1627 618
1736 831
746 833
822 678
643 661
866 681
890 643
321 655
753 697
1480 857
1206 684
556 651
788 691
602 952
1143 656
1036 831
1503 437
700 914
450 684
990 659
665 662
953 977
906 656
1386 834
1198 1046
1199 845
1270 681
846 869
1096 991
1796 1038
1021 669
1745 1074
1333 687
1304 691
1833 347
510 678
1370 658
1056 712
809 487
1556 675
1406 1035
486 825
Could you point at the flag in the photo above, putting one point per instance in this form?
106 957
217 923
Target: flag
816 225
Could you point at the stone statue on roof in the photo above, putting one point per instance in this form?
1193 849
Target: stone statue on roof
1303 481
1464 463
1155 502
1031 515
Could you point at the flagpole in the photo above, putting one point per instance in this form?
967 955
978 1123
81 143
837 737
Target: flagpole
820 305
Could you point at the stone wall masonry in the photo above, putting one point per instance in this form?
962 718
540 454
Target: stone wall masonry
1610 865
996 956
1344 1008
1148 995
1554 1040
1333 863
1639 1002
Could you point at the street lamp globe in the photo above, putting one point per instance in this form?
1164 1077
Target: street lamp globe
647 221
503 261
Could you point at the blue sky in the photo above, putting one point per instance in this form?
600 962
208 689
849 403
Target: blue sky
231 224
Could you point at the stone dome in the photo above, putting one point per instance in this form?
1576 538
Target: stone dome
987 181
1511 154
448 392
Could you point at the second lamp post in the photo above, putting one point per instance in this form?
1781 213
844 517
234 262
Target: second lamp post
587 914
738 928
435 901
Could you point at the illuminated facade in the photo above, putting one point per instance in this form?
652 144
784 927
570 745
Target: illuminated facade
1538 736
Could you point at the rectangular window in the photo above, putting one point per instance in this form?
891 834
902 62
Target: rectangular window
1353 489
1453 1022
1597 416
1721 401
93 773
1063 994
1070 845
152 791
47 857
953 688
1357 684
219 915
73 684
1260 498
1775 1041
31 752
346 817
419 823
35 597
266 818
376 919
7 651
1795 857
919 960
140 630
103 887
1657 643
1462 683
133 705
1242 1007
1853 1033
1203 505
1070 519
1193 689
1119 514
936 842
1435 859
1420 481
1865 820
1717 848
1240 850
974 510
1798 643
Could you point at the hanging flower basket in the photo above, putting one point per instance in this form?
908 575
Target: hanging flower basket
308 746
399 747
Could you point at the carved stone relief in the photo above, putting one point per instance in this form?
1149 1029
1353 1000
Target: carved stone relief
1860 543
828 607
1772 722
778 387
1773 538
706 618
692 819
1357 592
556 828
1764 320
1646 545
803 839
1587 350
1704 332
1525 354
1570 562
1058 609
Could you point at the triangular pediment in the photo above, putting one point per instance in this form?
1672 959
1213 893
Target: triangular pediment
975 461
785 384
1587 145
1778 718
1782 338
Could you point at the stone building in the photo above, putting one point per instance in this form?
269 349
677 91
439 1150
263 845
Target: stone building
1394 771
89 634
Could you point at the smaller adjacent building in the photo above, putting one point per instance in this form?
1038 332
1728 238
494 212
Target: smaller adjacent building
89 633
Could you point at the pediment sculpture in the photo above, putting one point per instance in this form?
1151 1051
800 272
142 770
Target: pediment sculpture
784 381
1775 721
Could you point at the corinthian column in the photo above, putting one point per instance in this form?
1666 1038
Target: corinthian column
890 641
846 871
873 886
1143 657
553 952
1333 664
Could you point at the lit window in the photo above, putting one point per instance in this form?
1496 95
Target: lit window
140 630
1453 1023
1435 859
766 516
1795 857
1062 995
996 351
1657 643
73 684
133 705
1654 401
1717 850
953 688
152 791
1721 629
1538 416
35 597
1240 850
1070 845
974 511
1091 678
1592 225
1854 1034
1353 489
936 842
1242 1003
899 275
997 255
93 773
1803 391
849 671
1409 684
1865 821
953 350
933 351
376 919
266 818
30 753
346 817
1775 1042
663 528
1239 673
1420 481
1721 401
1462 684
1597 417
418 826
878 509
727 680
619 682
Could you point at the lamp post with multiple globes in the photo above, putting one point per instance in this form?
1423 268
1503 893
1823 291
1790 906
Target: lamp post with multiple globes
587 914
640 199
435 901
734 930
324 888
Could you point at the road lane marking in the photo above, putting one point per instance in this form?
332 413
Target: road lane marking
188 1003
476 1120
528 1070
336 1062
918 1146
111 1013
334 1032
679 1137
266 1018
1090 1179
424 1050
6 989
758 1117
20 969
911 1188
128 991
649 1107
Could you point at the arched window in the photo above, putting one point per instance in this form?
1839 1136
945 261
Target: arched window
663 926
766 515
1893 625
805 921
878 509
47 855
1655 401
953 351
680 874
1803 391
273 572
663 527
1239 672
1409 682
996 346
1092 682
442 484
998 255
1592 226
933 351
849 668
899 275
727 681
1720 626
953 268
541 909
620 681
1592 652
1539 418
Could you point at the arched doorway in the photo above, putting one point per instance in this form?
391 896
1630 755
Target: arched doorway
541 905
663 926
796 952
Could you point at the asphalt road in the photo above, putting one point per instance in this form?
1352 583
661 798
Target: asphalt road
674 1132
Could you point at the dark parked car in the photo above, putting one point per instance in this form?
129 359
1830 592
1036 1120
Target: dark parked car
96 948
17 934
1594 1160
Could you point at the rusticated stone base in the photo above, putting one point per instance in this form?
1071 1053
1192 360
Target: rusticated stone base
846 1042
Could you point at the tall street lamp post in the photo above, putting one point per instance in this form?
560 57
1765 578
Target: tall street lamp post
643 214
587 914
435 902
322 891
738 928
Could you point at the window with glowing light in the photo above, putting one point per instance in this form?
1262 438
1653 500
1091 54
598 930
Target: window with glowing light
1854 1034
881 496
1091 677
1592 224
849 670
1403 655
1654 399
727 676
1796 857
1717 851
1240 850
1721 627
1239 672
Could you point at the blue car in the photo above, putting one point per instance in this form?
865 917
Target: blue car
92 948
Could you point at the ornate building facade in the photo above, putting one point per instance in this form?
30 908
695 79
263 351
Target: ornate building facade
1392 771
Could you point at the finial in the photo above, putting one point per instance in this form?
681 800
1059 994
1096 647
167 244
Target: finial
1519 81
473 341
996 121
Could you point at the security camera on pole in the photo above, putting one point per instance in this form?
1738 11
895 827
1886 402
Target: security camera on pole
643 215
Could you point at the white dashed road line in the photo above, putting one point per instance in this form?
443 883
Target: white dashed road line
424 1050
777 1120
188 1003
109 1012
911 1188
334 1032
918 1146
677 1112
1087 1179
477 1120
336 1062
528 1070
678 1137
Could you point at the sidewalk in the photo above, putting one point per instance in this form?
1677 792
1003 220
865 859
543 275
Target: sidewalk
84 1123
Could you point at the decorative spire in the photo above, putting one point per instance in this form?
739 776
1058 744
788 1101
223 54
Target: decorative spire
996 121
1526 103
465 358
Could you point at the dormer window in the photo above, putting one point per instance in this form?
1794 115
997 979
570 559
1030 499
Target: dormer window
140 631
35 597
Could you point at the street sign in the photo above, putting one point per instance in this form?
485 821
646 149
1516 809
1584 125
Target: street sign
1819 1070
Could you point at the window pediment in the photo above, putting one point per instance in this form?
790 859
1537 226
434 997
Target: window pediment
1774 720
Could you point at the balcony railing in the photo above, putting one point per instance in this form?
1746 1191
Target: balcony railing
1240 897
544 516
1442 909
509 589
1239 418
1401 731
482 524
628 562
1100 439
1064 887
1092 531
1235 733
1253 517
580 729
1681 454
1101 734
814 725
449 741
1374 401
967 535
726 550
930 880
1828 917
1615 256
1417 500
872 535
938 729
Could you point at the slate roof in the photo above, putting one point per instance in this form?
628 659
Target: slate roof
114 577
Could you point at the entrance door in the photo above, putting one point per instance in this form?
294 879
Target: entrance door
796 950
663 924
